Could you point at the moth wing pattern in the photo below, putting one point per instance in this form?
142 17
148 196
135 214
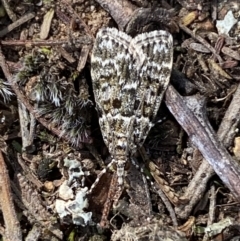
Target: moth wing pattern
115 69
155 75
130 76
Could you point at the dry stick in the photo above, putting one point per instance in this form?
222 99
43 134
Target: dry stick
212 210
66 55
24 122
204 139
83 57
34 233
195 189
32 129
12 225
226 134
147 191
24 101
81 40
16 24
167 204
212 205
9 11
202 41
2 233
231 120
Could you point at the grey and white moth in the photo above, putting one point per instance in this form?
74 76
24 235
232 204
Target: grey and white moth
130 76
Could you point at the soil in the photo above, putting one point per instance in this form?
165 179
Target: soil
52 145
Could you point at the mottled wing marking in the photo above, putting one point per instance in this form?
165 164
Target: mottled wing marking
155 76
129 79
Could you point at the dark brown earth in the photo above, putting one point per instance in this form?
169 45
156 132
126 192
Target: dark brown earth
51 146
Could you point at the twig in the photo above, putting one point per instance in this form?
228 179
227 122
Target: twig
202 41
81 40
32 129
226 134
148 197
12 225
195 189
212 210
24 122
203 137
231 120
34 233
66 55
83 57
167 204
16 24
212 205
9 11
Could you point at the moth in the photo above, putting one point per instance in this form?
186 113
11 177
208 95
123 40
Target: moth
130 76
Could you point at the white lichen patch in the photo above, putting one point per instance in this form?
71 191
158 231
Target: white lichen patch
72 200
